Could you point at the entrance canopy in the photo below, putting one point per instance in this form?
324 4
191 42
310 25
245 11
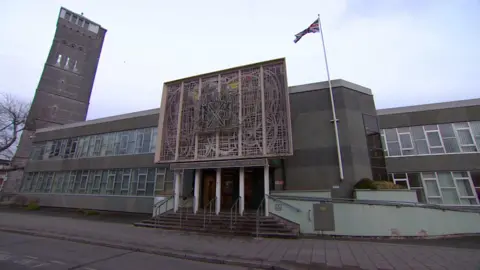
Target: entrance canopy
219 164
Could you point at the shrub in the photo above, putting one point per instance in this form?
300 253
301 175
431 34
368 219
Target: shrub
365 183
91 213
387 185
33 205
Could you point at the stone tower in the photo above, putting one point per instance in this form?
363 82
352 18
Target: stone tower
63 93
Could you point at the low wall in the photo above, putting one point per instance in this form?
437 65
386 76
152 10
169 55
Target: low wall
394 195
303 193
359 219
96 202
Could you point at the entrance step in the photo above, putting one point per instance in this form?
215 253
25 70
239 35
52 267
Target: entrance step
221 224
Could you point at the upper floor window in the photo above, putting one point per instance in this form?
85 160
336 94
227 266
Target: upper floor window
448 138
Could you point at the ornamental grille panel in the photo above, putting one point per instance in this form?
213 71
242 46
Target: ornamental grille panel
239 113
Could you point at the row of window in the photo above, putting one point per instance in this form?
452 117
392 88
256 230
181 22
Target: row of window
79 20
449 188
68 64
124 182
432 139
138 141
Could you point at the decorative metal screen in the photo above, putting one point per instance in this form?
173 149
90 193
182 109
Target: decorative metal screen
238 113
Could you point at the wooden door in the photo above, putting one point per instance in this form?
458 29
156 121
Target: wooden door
208 189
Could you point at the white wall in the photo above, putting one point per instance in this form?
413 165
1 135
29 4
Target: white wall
394 195
355 219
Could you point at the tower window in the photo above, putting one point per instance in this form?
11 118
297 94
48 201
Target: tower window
59 60
75 66
67 63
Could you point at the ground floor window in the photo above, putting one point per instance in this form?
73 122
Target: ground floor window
123 182
447 188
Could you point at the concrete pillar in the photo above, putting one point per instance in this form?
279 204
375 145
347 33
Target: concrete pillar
266 183
218 189
196 190
176 194
241 191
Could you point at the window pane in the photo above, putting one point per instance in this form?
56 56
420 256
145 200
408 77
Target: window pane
418 133
391 135
428 175
447 131
469 149
450 196
421 147
437 150
432 188
406 141
421 195
464 188
370 123
430 127
461 125
414 180
394 149
465 137
475 126
460 174
434 200
475 178
451 145
445 179
434 139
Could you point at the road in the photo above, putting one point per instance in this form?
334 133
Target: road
22 252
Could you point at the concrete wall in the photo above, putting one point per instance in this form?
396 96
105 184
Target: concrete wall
433 163
353 219
314 164
394 195
96 163
105 203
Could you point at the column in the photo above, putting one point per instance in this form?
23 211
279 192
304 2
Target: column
266 186
218 189
176 193
196 190
241 191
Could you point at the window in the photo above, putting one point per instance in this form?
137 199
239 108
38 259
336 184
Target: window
401 179
465 138
59 60
67 63
142 181
125 181
392 142
74 19
406 143
449 138
75 69
111 181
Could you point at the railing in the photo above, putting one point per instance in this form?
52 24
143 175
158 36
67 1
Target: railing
233 212
184 210
209 206
259 214
156 208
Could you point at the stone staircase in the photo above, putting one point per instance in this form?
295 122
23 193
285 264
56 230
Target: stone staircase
245 225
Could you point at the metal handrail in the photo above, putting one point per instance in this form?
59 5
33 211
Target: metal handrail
182 209
259 212
209 205
159 204
298 210
233 213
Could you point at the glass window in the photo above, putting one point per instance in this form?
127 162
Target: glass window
445 179
432 188
371 124
434 139
394 149
406 140
391 135
465 137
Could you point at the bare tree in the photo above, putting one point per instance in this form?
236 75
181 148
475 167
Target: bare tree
13 115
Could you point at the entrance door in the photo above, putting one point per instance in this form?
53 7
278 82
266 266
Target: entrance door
208 188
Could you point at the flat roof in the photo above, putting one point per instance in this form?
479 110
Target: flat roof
324 85
291 90
431 106
101 120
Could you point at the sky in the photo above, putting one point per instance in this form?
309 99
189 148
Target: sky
408 52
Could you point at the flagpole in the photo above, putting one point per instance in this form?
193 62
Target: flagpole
334 114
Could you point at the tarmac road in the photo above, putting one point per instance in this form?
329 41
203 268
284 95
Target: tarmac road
22 252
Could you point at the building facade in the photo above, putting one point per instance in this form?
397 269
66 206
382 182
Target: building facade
63 92
214 141
435 149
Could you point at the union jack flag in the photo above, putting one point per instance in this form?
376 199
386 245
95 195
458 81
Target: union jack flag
313 28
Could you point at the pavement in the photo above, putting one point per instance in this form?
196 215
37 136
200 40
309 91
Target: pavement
238 251
21 252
